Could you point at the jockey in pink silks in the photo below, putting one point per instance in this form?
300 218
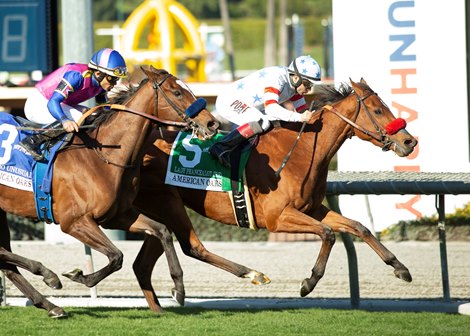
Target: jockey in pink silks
56 98
252 102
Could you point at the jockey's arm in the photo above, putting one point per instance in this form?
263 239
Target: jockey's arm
69 83
274 109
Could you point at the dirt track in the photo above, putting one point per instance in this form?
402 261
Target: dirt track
286 263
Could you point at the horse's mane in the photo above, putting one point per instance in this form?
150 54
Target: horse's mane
123 94
328 94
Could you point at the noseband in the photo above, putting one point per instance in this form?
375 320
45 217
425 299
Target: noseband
197 106
379 134
193 110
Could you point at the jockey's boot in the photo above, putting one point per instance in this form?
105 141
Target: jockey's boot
223 148
32 144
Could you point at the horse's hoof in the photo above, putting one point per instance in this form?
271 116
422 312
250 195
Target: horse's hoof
403 274
74 275
57 312
258 278
305 288
53 282
178 296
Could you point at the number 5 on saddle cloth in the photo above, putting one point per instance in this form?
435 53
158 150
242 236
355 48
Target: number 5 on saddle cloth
190 165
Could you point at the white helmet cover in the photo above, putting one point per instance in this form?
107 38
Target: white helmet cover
306 67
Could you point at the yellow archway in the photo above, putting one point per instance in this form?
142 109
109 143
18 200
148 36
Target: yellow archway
161 20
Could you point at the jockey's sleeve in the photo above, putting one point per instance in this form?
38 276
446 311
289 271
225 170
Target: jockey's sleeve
299 103
70 82
273 109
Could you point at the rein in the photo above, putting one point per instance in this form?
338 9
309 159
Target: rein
190 124
186 124
287 157
380 136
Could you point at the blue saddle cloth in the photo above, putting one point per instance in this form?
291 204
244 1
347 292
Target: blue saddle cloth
17 168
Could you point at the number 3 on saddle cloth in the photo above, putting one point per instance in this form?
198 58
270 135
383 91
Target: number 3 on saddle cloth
19 170
190 165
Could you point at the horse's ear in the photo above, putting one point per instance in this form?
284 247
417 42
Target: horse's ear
144 70
352 82
363 81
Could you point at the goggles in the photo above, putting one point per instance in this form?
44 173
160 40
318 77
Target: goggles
120 71
307 84
112 80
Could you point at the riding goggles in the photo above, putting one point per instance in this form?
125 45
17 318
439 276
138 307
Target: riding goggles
112 80
120 71
307 83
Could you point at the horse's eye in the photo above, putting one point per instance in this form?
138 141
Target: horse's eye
378 111
178 93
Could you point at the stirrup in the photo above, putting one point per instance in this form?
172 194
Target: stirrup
221 154
34 151
224 158
37 156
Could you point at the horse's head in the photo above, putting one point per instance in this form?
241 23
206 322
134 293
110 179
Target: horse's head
373 121
175 101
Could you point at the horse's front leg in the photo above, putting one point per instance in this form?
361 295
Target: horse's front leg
340 223
13 274
88 232
294 221
49 277
38 300
147 258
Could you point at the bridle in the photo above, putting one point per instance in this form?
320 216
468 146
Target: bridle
379 134
197 106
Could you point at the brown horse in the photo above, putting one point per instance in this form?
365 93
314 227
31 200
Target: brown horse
290 202
96 180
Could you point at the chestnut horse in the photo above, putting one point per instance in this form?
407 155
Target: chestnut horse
96 179
290 202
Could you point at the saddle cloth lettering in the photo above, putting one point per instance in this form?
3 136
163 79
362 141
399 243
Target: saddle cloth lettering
15 164
192 166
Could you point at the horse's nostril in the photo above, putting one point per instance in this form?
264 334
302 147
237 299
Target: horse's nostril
213 125
411 142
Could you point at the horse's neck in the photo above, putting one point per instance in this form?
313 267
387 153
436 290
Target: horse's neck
316 147
129 131
333 134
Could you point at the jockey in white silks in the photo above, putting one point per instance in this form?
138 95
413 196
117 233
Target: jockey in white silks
252 102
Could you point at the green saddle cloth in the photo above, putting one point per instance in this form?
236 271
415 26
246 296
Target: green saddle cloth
192 166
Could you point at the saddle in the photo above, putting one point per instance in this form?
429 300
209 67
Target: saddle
28 124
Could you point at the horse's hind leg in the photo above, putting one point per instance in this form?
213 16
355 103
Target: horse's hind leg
50 278
158 230
340 223
193 247
181 225
143 267
169 209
